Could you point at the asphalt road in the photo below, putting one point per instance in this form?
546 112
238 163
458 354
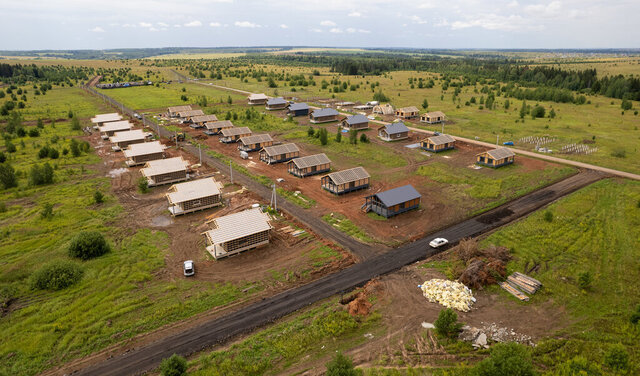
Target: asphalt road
268 310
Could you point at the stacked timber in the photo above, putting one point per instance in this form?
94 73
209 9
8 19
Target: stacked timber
517 283
514 291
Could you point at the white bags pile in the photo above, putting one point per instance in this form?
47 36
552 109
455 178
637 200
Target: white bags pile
450 294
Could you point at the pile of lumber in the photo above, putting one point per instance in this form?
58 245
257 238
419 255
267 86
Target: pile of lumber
517 284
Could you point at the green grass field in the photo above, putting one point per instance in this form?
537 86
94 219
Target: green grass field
595 231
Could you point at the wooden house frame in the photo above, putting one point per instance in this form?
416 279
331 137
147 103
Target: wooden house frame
216 127
142 153
254 142
383 109
346 181
187 115
434 117
174 110
109 129
230 135
309 165
165 171
276 104
257 99
496 158
199 121
279 153
194 195
126 138
393 202
408 112
438 143
238 232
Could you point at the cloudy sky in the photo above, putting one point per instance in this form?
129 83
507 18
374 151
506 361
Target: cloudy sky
99 24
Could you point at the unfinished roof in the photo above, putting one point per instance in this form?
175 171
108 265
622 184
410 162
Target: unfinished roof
357 119
255 139
190 113
435 114
219 124
408 109
500 153
276 101
393 128
298 106
204 118
311 160
228 132
346 176
193 190
238 225
116 126
144 148
179 108
164 166
398 195
101 118
441 139
324 112
256 97
135 134
281 149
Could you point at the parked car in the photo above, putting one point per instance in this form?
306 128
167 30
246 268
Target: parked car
508 143
438 242
188 268
137 116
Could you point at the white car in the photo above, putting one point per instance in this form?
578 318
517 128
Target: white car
438 242
188 268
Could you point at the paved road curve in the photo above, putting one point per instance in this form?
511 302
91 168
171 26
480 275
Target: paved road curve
268 310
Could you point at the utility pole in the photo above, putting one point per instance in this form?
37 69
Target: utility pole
231 172
274 198
443 127
176 136
200 152
497 139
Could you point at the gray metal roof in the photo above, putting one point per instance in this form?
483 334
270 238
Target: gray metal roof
179 108
235 131
346 176
218 124
276 101
500 153
298 106
398 195
441 139
255 139
394 128
324 112
311 160
204 118
281 149
357 119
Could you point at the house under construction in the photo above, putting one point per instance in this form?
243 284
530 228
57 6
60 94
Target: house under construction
194 195
138 154
165 171
108 129
229 135
238 232
279 153
123 139
215 127
346 181
309 165
255 142
101 119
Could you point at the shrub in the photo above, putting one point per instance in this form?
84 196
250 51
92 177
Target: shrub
75 148
175 365
584 280
87 245
447 324
635 317
41 175
98 197
143 185
310 132
617 358
10 147
40 123
626 104
578 366
8 177
323 134
380 97
548 216
353 136
339 135
3 157
43 152
341 365
34 132
537 112
363 138
53 153
70 114
620 153
75 123
506 359
56 275
47 211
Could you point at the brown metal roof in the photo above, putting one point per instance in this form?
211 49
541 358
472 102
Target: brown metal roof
204 118
346 176
311 160
218 124
281 149
500 153
255 139
235 131
441 139
179 108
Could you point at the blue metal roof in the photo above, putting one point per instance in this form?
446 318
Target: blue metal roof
298 106
394 128
324 112
398 195
357 119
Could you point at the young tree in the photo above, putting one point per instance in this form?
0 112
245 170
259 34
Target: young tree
341 365
87 245
339 134
98 196
323 136
10 147
3 157
363 138
506 359
175 365
506 104
75 148
425 103
70 114
447 324
626 104
8 177
523 110
310 131
143 185
229 100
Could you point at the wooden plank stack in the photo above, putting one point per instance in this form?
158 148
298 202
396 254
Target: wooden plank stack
518 282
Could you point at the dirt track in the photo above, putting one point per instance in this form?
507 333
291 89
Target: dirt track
268 310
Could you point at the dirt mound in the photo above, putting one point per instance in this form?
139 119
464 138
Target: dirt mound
359 304
483 266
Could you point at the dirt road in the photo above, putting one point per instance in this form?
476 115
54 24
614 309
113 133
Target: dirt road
268 310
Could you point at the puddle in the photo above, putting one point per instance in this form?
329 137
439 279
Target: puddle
412 146
161 221
117 172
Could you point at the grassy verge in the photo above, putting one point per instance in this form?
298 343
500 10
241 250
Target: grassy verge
343 224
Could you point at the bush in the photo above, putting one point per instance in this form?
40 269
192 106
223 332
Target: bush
310 132
506 359
175 365
53 153
447 324
8 177
584 280
617 358
43 152
537 112
87 245
626 105
41 175
323 136
75 148
10 147
98 197
47 211
363 138
620 153
56 275
75 124
34 132
341 365
578 366
143 185
548 216
635 317
380 97
339 135
3 158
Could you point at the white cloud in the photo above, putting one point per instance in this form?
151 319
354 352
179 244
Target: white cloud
97 29
335 30
497 22
215 24
128 25
427 5
283 26
443 22
327 23
145 24
153 29
355 14
114 24
351 30
417 20
513 4
176 25
363 31
194 23
246 24
541 9
316 30
162 24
